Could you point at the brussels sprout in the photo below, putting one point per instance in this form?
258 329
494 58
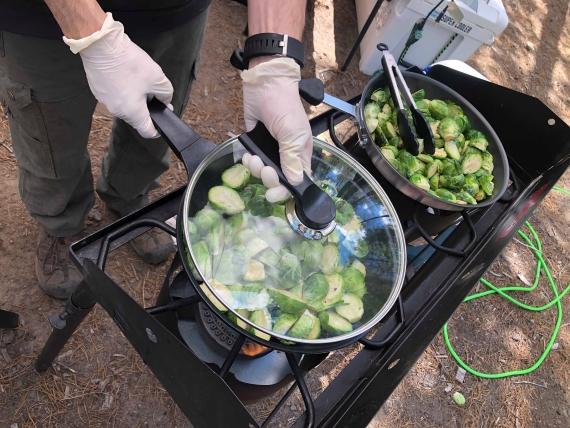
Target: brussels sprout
433 168
202 259
462 122
471 185
388 154
304 326
448 167
445 194
425 158
389 130
438 143
262 318
353 280
471 163
434 182
423 106
380 96
283 323
206 218
435 129
216 238
249 297
252 190
259 206
460 140
255 271
278 210
226 200
420 94
410 162
386 109
420 181
290 270
486 184
473 133
359 266
479 142
440 153
236 177
454 110
230 265
311 252
438 109
334 293
238 321
396 141
371 124
334 323
360 250
452 150
448 129
192 229
382 119
315 288
350 308
487 162
466 197
237 221
254 246
453 182
344 211
287 301
330 260
479 196
371 110
222 291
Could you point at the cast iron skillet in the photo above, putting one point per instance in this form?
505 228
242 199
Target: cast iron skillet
433 89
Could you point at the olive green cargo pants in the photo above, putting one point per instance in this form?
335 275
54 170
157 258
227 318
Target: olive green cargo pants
49 106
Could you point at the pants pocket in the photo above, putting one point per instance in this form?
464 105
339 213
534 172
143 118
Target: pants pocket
29 139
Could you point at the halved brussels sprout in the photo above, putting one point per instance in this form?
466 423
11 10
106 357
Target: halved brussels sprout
448 129
438 109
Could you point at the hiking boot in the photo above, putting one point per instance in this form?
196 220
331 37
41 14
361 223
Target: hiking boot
56 275
153 246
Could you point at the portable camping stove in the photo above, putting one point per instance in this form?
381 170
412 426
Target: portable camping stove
210 370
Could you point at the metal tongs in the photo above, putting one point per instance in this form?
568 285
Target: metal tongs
396 82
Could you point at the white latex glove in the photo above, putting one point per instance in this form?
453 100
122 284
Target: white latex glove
121 75
271 95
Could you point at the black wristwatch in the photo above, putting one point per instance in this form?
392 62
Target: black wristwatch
265 44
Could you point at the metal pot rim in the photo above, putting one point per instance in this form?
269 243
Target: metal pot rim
399 279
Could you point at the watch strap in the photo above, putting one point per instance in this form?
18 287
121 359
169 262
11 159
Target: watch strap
266 44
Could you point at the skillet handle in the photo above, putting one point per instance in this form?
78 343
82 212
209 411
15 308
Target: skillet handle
188 145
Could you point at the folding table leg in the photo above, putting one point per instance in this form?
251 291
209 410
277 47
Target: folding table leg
64 325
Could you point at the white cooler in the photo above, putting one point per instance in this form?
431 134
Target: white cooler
483 20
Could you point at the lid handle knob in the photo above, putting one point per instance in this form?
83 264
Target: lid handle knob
314 207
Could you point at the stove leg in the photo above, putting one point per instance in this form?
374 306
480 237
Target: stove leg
64 325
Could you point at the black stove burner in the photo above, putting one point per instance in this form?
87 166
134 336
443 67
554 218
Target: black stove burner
211 339
215 328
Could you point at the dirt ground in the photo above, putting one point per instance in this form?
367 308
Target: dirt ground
100 381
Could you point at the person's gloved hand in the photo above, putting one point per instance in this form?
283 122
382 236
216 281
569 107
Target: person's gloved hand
121 75
271 95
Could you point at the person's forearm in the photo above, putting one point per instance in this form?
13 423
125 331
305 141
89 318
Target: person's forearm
276 16
77 18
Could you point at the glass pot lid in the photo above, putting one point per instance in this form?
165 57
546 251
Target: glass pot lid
276 282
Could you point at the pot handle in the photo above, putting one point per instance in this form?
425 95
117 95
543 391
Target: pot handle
313 91
188 146
314 207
